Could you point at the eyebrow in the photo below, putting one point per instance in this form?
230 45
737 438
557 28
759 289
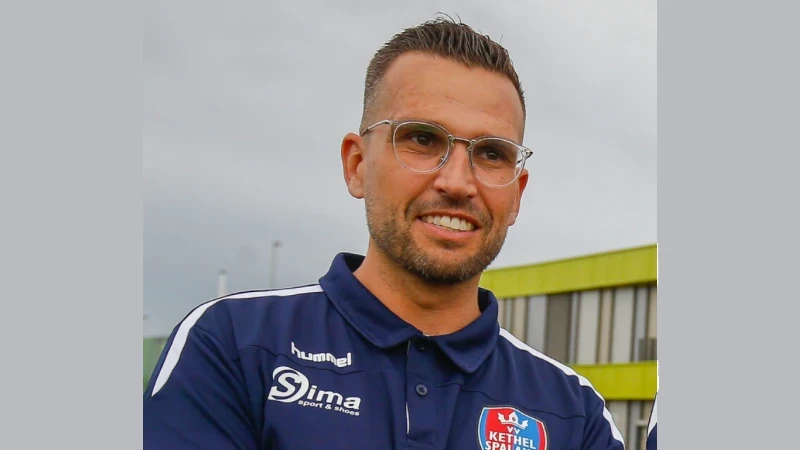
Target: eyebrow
434 122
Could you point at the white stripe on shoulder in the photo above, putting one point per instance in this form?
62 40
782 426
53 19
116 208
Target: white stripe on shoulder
176 348
653 416
567 370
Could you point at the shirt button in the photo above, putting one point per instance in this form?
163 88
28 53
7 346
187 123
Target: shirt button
422 390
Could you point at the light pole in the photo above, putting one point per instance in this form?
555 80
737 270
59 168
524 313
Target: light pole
222 283
273 263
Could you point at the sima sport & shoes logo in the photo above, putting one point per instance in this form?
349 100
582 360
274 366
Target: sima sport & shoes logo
291 386
506 428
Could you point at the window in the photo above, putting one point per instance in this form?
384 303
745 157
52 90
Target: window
517 317
634 421
639 439
651 313
640 351
557 326
604 336
574 311
619 412
588 328
622 328
537 317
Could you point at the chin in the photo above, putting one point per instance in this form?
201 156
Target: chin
449 261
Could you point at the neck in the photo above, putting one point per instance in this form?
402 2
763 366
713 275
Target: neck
431 308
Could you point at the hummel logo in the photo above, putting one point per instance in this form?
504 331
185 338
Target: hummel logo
323 357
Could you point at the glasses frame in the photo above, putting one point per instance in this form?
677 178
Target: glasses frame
523 152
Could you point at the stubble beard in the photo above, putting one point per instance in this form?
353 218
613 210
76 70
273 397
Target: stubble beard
396 242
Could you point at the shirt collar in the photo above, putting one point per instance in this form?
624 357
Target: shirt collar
468 348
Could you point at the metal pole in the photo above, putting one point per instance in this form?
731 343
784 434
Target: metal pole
273 263
222 283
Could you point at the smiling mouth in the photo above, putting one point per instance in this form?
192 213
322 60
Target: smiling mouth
449 223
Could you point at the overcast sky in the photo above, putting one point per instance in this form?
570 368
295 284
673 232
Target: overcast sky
245 105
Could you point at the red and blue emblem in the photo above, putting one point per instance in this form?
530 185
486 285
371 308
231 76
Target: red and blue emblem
506 428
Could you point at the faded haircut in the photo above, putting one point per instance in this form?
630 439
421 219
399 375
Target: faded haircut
442 37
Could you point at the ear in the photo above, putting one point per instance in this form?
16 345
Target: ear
522 182
353 164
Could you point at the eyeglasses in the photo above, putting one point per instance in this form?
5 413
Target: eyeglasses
423 147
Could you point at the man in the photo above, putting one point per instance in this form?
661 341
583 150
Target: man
398 348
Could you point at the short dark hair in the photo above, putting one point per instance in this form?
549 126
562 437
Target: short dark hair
442 37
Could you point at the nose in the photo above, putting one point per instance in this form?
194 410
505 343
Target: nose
455 178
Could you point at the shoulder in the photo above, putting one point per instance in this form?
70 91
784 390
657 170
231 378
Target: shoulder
219 329
565 389
244 318
241 305
526 358
553 386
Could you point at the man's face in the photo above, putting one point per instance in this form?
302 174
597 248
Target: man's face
399 203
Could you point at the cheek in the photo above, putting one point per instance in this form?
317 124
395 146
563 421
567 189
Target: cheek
383 190
398 187
501 209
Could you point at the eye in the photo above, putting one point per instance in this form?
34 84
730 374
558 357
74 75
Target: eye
492 154
422 138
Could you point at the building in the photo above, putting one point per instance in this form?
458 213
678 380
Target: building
594 313
151 352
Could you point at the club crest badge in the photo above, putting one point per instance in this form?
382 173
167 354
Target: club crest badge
506 428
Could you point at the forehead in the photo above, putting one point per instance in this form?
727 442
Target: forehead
467 101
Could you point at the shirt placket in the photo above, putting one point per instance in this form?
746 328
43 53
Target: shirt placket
421 394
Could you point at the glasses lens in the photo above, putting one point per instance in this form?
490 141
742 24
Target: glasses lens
419 146
496 161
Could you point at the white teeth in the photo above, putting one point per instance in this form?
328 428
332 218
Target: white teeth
450 222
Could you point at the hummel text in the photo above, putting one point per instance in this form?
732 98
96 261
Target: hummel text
323 357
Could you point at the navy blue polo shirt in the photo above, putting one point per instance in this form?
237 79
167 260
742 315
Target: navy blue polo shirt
328 366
